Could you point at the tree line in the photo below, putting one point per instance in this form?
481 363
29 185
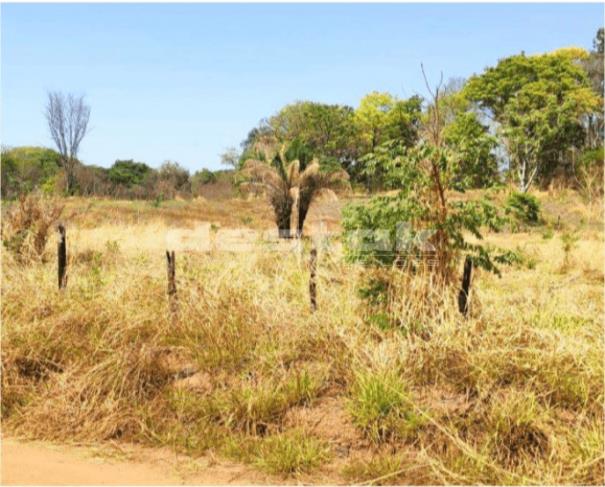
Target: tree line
27 168
528 121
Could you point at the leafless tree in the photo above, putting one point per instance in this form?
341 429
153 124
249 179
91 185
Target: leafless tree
67 117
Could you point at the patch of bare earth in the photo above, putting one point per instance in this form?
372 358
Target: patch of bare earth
41 463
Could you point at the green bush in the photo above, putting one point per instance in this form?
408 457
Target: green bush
523 208
27 168
380 407
128 172
291 453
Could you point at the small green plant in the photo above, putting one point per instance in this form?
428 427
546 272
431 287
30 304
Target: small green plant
374 292
548 233
290 453
569 241
380 320
522 209
380 407
156 203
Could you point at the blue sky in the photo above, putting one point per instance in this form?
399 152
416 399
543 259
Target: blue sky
185 81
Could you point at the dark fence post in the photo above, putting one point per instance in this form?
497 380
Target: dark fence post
466 284
312 279
62 257
170 263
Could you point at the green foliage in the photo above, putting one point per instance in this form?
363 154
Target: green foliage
523 208
325 131
290 453
380 408
27 168
128 173
205 176
569 242
539 103
474 147
382 118
593 157
403 228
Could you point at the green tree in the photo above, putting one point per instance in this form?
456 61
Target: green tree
594 69
128 173
381 117
328 131
26 168
539 103
372 117
420 224
473 146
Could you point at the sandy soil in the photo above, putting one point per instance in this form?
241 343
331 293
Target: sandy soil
35 463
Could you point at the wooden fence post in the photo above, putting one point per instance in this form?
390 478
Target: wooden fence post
62 257
312 278
466 284
170 265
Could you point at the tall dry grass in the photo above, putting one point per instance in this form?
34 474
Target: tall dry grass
511 395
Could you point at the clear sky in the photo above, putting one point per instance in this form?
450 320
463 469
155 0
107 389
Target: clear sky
185 81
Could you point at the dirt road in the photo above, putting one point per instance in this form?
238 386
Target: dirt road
35 463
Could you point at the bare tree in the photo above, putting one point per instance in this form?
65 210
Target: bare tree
67 117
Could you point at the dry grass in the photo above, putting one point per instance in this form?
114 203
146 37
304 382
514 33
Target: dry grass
512 395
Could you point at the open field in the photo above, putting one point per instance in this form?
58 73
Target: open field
247 374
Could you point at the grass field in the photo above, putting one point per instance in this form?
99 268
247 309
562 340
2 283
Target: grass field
511 395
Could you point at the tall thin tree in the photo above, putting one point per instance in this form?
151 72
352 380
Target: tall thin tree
67 117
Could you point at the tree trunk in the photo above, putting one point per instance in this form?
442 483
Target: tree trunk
283 214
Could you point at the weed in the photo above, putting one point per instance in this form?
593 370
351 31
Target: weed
290 454
27 224
569 242
380 408
386 468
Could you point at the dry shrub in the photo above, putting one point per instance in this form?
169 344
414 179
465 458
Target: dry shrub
26 225
414 301
518 424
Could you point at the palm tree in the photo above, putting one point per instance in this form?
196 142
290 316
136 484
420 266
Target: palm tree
278 172
278 177
312 183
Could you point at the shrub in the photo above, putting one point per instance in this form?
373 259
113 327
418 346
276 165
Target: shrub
26 225
380 408
589 174
420 225
27 168
290 453
205 176
128 173
523 209
517 423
